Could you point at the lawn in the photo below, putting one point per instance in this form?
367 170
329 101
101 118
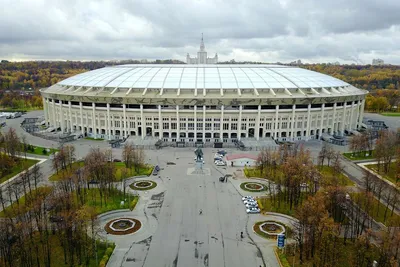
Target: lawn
280 205
39 151
359 155
391 114
94 139
391 176
376 209
22 207
22 165
119 167
328 178
267 174
113 201
345 255
57 254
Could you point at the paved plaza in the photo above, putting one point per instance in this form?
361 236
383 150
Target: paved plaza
173 232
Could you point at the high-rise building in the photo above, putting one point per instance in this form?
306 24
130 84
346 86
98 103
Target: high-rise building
202 56
378 61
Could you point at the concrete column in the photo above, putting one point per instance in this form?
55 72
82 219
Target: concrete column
81 114
360 117
293 121
240 123
276 124
322 121
160 123
351 126
334 118
60 104
204 123
178 124
342 126
257 133
308 122
142 120
108 123
94 120
70 116
195 123
124 120
221 123
45 103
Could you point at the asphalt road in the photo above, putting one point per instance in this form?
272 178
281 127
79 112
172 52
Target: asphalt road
183 236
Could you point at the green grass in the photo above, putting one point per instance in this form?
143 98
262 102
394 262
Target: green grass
375 209
23 205
113 201
39 151
359 155
391 175
57 255
329 179
94 139
64 173
391 114
119 167
21 165
280 205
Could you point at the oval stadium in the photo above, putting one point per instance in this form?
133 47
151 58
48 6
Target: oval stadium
208 103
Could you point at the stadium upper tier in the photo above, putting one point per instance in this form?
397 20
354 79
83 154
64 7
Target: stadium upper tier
203 80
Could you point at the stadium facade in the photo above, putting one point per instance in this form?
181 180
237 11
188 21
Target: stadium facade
206 103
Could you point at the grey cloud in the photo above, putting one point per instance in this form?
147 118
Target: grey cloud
312 30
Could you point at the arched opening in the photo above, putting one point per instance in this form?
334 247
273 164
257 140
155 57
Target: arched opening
149 131
225 135
216 135
298 133
139 129
182 135
199 135
260 132
208 135
166 134
133 133
173 135
233 135
251 132
191 135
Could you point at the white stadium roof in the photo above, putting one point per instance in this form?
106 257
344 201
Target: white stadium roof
179 76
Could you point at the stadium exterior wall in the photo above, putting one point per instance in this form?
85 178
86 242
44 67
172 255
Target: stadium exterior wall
232 119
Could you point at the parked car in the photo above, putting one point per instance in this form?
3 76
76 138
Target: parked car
222 152
220 163
253 210
249 201
247 197
117 160
252 205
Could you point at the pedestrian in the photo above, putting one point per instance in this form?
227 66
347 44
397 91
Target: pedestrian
241 234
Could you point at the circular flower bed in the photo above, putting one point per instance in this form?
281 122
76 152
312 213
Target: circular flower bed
253 187
271 229
143 185
123 226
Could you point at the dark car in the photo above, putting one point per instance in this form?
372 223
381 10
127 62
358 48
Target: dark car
156 170
117 160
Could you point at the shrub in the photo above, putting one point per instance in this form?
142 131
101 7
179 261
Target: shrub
104 261
133 203
44 151
109 251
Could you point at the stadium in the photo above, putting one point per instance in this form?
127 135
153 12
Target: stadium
204 103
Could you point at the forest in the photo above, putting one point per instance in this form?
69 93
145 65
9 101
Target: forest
20 81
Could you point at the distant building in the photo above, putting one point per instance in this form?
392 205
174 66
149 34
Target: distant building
296 62
201 56
378 61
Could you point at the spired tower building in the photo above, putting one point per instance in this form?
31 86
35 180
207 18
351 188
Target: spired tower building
202 56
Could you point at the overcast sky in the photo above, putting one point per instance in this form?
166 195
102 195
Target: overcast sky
255 30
